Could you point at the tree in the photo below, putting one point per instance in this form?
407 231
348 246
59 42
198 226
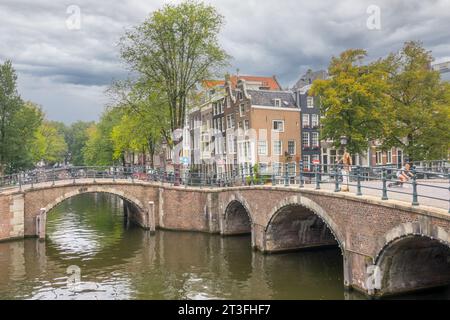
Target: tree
99 148
18 122
76 136
418 105
352 100
145 123
49 144
176 48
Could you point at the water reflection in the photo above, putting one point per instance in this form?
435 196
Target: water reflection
120 261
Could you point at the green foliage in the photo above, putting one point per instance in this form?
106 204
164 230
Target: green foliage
76 136
49 144
176 48
351 100
418 104
99 148
18 122
399 101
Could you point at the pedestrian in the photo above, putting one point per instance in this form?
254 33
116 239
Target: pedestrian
347 167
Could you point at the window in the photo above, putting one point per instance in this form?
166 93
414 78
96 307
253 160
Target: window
246 125
240 125
306 163
278 125
315 139
379 157
277 102
276 168
291 169
291 147
305 120
222 120
277 147
262 147
221 106
310 102
242 109
314 120
230 144
262 166
305 139
389 156
240 95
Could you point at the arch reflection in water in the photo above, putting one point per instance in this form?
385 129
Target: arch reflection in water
124 262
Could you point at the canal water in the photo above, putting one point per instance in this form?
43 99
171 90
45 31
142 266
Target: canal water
92 253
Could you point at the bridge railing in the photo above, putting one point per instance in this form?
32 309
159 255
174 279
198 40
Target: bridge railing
422 182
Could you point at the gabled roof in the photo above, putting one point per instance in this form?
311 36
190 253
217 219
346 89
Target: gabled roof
268 97
309 77
270 83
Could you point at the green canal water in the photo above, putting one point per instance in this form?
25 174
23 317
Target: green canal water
88 239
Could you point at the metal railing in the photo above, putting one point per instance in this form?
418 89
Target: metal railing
382 180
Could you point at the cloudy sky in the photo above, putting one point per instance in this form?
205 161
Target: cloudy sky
66 69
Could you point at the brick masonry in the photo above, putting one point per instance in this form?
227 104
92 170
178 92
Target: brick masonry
363 227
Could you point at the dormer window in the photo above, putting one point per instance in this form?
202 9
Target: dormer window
310 102
277 102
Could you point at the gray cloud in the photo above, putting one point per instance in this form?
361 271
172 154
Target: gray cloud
67 71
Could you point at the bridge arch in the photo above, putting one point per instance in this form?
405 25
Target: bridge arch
236 218
133 207
413 256
94 189
298 222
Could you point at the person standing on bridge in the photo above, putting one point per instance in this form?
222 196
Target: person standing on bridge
347 167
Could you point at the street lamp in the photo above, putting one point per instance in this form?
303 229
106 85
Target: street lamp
344 141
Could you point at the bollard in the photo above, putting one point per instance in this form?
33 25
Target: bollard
415 201
358 181
317 169
286 177
336 178
384 196
300 183
53 174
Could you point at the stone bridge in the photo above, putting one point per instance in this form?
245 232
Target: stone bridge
387 247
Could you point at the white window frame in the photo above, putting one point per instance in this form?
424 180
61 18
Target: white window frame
379 157
314 134
277 102
242 109
295 148
246 124
303 140
281 147
273 125
310 102
262 144
314 120
389 157
305 118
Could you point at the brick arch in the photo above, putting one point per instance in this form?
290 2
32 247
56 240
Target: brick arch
302 201
94 189
239 198
410 229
